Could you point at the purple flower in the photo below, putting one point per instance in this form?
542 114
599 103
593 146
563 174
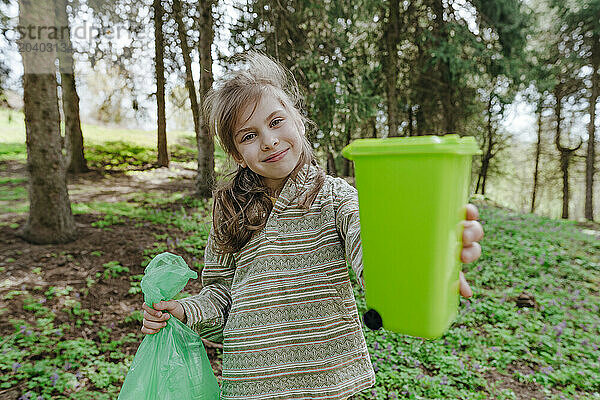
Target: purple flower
22 328
54 378
376 346
67 365
16 366
444 380
546 370
42 300
559 328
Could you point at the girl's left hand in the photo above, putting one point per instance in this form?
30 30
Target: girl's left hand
471 250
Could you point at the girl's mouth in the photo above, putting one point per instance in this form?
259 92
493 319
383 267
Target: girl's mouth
277 156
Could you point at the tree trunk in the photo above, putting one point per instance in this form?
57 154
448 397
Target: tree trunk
489 147
159 69
331 169
538 148
446 87
50 218
189 80
70 99
392 37
565 157
346 167
591 148
410 120
206 148
373 124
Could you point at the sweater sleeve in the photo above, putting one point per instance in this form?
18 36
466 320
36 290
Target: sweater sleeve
206 312
347 221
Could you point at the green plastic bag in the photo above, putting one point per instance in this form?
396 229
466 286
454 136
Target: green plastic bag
171 364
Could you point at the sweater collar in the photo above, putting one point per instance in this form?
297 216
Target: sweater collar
294 187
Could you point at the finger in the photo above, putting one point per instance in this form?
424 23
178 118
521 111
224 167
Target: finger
154 325
164 305
151 310
472 212
148 331
152 317
472 232
465 289
470 253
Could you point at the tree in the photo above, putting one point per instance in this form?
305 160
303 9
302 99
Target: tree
390 62
206 148
159 69
70 99
580 29
566 153
591 145
50 218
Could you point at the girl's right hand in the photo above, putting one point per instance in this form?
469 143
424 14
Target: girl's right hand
155 320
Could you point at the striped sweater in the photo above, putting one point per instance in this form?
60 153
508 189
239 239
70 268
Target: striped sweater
284 306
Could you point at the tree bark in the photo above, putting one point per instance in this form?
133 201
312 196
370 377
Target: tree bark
591 147
159 69
331 169
70 99
392 37
565 157
445 73
538 148
206 149
189 80
489 154
50 218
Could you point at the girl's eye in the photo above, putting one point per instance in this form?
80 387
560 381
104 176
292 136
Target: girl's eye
248 136
276 121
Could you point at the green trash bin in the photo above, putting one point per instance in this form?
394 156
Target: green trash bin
412 193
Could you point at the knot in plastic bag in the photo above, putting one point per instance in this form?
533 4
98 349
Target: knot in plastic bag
165 276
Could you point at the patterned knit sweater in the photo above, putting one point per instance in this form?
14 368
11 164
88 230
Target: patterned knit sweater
284 306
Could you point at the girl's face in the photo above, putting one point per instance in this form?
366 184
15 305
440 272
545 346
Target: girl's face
269 142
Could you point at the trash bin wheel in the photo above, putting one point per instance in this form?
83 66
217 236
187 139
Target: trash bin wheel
372 320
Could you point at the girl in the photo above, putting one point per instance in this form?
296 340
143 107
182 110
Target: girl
276 289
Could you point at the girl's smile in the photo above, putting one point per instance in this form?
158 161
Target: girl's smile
269 140
277 156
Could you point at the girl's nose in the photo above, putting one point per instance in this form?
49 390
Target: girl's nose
269 142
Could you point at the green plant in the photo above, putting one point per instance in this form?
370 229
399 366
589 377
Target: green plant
113 269
135 284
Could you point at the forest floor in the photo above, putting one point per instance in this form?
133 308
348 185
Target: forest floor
70 313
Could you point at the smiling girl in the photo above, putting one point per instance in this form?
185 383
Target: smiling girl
276 289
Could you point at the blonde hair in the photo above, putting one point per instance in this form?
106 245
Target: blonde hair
242 204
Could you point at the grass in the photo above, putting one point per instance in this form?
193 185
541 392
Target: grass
553 345
12 126
495 349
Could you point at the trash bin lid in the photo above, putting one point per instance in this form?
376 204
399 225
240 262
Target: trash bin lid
448 144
